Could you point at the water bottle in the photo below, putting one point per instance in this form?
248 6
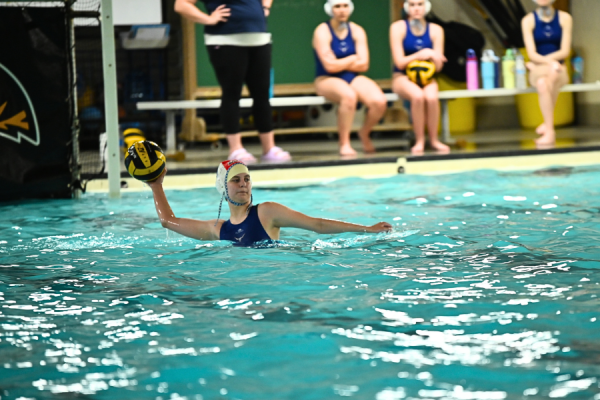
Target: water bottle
498 68
577 69
472 70
508 69
488 69
520 71
272 84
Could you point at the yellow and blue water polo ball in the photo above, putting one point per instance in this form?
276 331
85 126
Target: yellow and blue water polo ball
145 161
420 72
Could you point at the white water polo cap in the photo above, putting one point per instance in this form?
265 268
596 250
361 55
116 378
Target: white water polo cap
427 6
226 171
330 3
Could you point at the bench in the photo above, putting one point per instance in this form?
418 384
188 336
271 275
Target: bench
172 107
448 95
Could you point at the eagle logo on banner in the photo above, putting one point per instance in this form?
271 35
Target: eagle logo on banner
17 116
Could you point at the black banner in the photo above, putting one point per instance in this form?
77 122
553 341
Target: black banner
35 103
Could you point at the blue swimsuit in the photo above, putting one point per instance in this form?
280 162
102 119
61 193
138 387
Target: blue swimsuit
341 48
247 233
547 35
246 16
413 43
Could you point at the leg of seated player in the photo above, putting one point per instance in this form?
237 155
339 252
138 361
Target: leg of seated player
339 91
410 91
372 97
432 102
530 67
548 79
558 78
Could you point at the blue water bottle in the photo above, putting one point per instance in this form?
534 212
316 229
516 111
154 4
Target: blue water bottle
488 69
577 69
497 82
272 84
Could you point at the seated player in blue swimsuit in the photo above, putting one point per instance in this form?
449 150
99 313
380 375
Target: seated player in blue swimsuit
547 34
248 223
341 55
415 39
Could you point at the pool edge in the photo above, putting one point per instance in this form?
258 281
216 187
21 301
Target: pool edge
299 174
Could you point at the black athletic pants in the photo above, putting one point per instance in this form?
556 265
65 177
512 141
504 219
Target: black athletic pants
234 66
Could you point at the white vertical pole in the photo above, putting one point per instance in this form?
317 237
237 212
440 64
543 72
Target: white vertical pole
111 107
171 143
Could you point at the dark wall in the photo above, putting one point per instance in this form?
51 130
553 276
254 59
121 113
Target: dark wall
35 105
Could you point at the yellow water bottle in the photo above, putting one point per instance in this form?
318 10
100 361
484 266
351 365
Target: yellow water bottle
508 69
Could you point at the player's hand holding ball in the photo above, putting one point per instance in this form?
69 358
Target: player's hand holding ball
145 161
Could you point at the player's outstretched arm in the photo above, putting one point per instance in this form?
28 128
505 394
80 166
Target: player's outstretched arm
281 216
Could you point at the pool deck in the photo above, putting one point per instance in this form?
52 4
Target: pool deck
315 159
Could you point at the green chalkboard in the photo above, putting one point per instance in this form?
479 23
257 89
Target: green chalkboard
292 23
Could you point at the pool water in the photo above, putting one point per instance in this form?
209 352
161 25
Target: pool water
486 289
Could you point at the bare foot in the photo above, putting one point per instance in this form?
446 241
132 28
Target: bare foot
347 151
541 129
440 147
418 149
547 141
367 144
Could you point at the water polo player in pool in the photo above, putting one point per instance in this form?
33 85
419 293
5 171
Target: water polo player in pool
341 55
415 39
248 223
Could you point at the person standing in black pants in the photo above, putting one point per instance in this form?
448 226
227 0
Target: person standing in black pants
239 48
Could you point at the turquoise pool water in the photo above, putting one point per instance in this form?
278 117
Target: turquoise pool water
487 289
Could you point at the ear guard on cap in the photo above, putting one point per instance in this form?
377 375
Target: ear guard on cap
227 170
427 6
330 3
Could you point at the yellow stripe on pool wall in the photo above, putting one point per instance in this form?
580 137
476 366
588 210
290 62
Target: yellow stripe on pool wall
324 174
526 162
270 177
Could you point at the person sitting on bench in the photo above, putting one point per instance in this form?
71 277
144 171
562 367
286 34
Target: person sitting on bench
341 55
415 39
547 34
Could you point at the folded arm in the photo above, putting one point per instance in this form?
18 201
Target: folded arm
438 39
401 60
567 36
322 45
361 64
